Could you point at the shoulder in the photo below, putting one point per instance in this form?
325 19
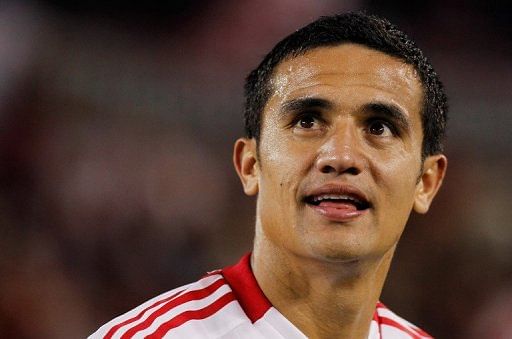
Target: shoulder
393 326
172 309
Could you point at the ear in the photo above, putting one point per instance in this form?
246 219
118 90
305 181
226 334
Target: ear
246 164
434 169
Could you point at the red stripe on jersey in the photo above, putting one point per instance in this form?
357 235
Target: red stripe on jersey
382 320
185 297
192 315
409 331
376 316
113 330
246 289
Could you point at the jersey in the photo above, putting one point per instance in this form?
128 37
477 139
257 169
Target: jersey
229 303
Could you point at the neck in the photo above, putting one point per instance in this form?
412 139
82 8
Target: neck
321 298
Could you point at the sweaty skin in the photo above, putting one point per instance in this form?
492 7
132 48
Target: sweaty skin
341 119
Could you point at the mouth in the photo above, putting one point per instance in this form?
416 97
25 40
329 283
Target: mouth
338 202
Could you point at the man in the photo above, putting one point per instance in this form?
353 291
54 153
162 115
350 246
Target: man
344 120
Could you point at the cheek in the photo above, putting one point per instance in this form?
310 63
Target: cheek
396 186
283 163
278 173
398 176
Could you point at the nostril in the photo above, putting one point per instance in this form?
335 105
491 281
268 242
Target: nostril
352 170
330 169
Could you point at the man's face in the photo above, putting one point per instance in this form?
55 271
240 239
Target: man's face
339 165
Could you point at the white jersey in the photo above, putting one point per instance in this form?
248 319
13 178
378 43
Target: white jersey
228 303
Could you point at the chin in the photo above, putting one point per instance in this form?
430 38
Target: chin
337 253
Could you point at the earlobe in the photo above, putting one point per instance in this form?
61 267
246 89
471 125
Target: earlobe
245 162
434 169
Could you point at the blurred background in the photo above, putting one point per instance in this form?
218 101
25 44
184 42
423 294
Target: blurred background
116 184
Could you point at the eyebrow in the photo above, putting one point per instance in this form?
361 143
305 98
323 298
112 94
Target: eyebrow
301 104
391 111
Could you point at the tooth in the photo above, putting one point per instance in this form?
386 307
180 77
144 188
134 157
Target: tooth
335 197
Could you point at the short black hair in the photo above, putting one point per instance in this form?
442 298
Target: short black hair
360 28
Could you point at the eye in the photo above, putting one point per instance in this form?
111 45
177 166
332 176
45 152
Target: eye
306 122
380 128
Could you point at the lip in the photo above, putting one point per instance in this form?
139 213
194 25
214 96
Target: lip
338 212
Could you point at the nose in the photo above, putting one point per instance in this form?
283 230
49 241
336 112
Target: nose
340 153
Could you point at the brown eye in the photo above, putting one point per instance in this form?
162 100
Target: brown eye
379 128
307 122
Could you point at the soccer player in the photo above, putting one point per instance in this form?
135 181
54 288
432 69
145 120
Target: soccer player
344 125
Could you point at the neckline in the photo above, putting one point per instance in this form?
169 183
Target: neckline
242 281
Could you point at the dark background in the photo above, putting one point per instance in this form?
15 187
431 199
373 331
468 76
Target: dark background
117 124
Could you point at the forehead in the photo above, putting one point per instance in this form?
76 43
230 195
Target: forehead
349 73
